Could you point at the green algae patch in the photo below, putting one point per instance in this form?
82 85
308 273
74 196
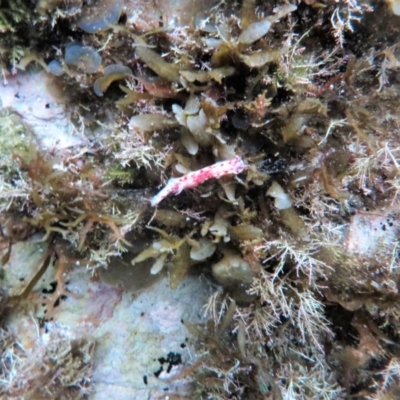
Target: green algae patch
15 138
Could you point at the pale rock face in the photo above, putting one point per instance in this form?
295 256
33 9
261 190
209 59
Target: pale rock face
372 233
37 101
132 328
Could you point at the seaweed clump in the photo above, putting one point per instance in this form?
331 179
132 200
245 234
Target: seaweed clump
60 368
306 95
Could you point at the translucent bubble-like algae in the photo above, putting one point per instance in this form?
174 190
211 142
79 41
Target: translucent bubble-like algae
100 16
55 68
83 57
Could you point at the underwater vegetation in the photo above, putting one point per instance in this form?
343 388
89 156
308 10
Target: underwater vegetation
252 143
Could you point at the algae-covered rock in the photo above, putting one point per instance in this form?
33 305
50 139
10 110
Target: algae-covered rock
15 138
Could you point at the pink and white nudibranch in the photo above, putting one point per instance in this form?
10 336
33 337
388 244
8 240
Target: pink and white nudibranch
196 178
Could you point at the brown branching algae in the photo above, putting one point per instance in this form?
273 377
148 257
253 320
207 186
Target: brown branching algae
282 119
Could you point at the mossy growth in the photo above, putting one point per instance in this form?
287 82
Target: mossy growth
15 138
13 13
30 373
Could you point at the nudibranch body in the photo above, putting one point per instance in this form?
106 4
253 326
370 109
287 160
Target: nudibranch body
196 178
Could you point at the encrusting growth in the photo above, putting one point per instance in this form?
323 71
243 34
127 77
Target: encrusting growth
196 178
